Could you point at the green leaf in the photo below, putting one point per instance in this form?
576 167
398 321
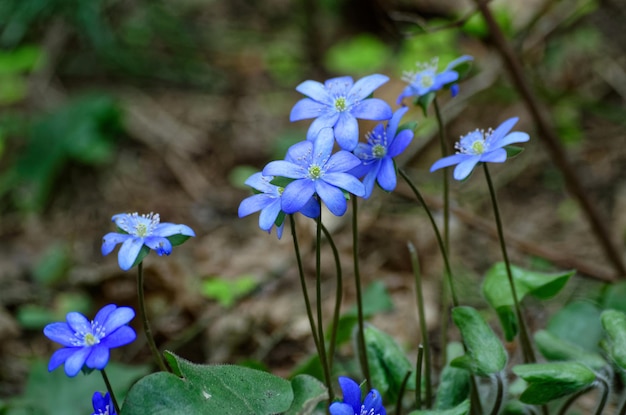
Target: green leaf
549 381
178 239
461 409
281 181
578 323
614 323
53 264
208 389
308 392
485 354
513 151
227 291
554 348
615 297
454 383
388 363
361 55
424 102
20 60
497 291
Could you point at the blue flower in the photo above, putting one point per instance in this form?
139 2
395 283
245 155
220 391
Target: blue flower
377 154
268 201
140 231
102 405
480 146
338 103
426 79
87 343
351 405
316 171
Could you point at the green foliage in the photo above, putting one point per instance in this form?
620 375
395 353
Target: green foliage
308 392
14 64
424 46
461 409
549 381
485 354
578 323
227 291
554 348
208 389
477 26
614 323
497 291
361 55
454 383
53 264
53 393
35 316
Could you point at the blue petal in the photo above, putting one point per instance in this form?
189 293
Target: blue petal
104 313
449 161
392 126
99 402
374 402
342 161
459 61
279 230
169 229
255 203
496 156
315 90
400 143
406 92
269 214
300 153
366 85
387 174
502 130
60 333
311 209
78 322
339 408
120 337
128 252
514 137
351 393
339 86
362 169
333 197
323 146
370 179
454 90
75 362
372 109
161 245
116 319
443 79
60 356
345 181
307 108
464 168
110 240
98 358
347 131
326 120
296 195
260 182
284 168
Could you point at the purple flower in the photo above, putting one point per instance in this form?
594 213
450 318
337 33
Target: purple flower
316 171
102 405
268 201
351 405
87 343
139 231
337 104
426 79
383 144
480 146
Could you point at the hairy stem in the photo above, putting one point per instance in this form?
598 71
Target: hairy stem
499 394
105 378
146 324
338 297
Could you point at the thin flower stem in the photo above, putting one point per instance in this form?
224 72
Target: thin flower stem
359 296
422 321
499 394
146 324
110 390
605 395
442 248
305 293
571 400
401 392
418 377
320 321
338 297
527 350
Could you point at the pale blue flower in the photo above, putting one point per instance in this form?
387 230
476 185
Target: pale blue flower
139 231
480 146
337 103
352 404
102 404
87 343
317 171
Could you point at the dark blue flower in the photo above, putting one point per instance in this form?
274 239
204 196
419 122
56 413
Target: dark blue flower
426 79
87 343
317 171
383 144
480 146
102 405
268 201
351 405
140 231
337 103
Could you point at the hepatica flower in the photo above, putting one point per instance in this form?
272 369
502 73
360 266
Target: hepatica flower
383 144
102 405
352 405
87 343
337 103
426 79
268 201
143 232
480 146
316 171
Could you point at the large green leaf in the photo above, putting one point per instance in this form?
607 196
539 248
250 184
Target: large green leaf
461 409
497 291
555 348
614 323
308 392
549 381
485 354
208 389
454 383
578 323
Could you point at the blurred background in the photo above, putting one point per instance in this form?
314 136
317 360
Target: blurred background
111 106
